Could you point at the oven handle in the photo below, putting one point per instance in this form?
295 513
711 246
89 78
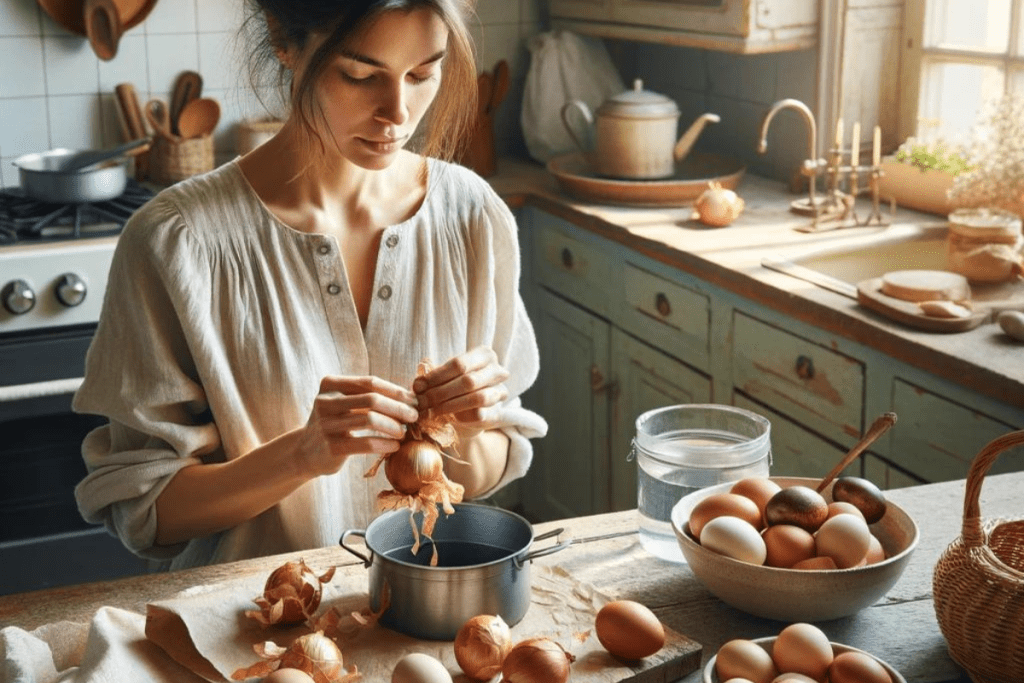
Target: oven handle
56 387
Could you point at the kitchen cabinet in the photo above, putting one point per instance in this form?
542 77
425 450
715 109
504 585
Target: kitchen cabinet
621 333
740 26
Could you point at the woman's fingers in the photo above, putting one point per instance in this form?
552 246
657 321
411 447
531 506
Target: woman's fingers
478 384
335 403
460 365
355 386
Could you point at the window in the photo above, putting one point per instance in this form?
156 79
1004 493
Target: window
959 56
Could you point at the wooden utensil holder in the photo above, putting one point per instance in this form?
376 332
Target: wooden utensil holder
173 160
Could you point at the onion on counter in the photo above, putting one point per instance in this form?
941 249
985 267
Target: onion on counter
481 646
536 660
313 653
291 595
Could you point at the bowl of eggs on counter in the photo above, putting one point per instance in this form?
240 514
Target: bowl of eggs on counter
776 548
800 653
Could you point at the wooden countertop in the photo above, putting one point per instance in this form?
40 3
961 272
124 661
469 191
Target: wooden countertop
901 628
984 359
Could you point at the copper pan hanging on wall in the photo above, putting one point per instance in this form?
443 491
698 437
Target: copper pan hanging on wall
70 14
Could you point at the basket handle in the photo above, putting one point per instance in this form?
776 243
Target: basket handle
971 532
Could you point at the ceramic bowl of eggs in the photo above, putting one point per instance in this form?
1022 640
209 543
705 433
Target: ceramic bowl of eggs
776 548
801 653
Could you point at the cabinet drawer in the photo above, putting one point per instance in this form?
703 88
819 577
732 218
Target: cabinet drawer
575 269
937 439
667 315
811 384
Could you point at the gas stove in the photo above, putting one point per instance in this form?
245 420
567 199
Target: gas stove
54 258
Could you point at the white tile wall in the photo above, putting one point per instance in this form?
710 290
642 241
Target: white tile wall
59 94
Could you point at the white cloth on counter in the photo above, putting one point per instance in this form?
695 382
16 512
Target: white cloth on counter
220 321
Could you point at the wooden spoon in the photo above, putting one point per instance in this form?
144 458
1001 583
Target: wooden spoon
880 426
199 117
158 116
103 27
188 86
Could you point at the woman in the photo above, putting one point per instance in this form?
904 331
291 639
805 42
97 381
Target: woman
263 323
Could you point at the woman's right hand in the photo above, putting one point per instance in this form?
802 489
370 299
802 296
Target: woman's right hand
354 415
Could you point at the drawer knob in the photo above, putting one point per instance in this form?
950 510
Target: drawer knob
804 367
567 258
661 303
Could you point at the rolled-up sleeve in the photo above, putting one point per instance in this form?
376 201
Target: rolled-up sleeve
140 375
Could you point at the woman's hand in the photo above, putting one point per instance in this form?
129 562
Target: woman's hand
468 386
355 415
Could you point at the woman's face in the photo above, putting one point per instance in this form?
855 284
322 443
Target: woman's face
375 92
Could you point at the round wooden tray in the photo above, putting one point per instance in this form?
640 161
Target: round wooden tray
691 177
70 14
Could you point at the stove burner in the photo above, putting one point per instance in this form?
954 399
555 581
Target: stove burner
26 219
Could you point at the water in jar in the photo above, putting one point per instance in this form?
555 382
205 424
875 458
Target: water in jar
661 482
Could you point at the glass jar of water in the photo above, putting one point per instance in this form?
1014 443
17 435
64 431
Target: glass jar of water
682 448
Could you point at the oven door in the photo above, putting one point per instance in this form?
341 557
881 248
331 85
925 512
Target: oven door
44 541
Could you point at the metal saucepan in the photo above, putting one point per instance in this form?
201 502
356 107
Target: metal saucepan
483 568
42 175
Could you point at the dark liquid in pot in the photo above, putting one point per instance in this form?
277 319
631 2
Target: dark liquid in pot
450 554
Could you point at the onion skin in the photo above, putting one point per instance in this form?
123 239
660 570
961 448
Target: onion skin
536 660
414 464
291 594
481 646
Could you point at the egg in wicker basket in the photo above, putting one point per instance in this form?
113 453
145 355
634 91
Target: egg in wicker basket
810 595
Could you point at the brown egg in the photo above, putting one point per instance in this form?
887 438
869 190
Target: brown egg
864 495
857 667
757 489
839 507
803 649
786 545
629 630
876 553
816 563
721 504
797 505
741 658
288 675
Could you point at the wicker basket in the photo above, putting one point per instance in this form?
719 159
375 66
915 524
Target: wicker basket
978 584
173 160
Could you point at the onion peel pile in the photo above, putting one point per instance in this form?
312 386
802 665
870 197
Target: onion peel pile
416 471
313 653
340 626
291 595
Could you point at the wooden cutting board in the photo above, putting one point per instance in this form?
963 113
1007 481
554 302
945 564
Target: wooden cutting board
870 295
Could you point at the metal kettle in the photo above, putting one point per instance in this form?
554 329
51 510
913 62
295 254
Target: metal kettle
635 134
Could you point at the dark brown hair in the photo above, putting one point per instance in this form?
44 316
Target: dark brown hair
272 25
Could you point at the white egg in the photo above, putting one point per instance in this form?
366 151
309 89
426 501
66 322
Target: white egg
844 538
420 668
735 538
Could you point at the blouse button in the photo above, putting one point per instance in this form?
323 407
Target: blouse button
384 292
333 288
324 249
391 241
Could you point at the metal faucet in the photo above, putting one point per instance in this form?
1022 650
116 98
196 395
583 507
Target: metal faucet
811 163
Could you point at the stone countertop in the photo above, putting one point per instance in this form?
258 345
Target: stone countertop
984 359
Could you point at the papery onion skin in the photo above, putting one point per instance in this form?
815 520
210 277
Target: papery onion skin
481 646
414 464
536 660
291 594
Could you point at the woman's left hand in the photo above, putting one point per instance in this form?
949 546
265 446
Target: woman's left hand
468 386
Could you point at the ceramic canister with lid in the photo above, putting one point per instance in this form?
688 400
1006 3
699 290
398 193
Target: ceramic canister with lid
680 449
984 245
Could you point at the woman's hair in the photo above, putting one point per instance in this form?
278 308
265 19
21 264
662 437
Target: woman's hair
273 25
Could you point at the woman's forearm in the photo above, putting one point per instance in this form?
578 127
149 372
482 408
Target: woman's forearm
484 458
203 499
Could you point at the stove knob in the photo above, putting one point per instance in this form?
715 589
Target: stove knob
18 297
71 290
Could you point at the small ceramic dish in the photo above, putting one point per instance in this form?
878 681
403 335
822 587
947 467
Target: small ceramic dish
798 594
710 676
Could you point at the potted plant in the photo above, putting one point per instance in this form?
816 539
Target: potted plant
920 175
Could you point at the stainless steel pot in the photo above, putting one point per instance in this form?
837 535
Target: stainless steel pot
483 568
42 177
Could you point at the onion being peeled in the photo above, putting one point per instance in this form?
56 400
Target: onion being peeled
536 660
291 595
481 646
413 466
313 653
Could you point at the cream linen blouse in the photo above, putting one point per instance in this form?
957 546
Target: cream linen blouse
219 322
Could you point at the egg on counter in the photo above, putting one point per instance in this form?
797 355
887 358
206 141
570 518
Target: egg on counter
420 668
844 538
735 538
803 649
288 675
720 505
744 660
857 667
629 630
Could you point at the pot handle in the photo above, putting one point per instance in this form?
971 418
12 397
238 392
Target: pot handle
367 561
588 116
544 551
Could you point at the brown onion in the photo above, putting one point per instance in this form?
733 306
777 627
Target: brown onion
413 465
313 653
481 646
536 660
291 595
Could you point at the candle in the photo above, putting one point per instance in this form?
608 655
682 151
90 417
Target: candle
855 146
839 133
876 147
